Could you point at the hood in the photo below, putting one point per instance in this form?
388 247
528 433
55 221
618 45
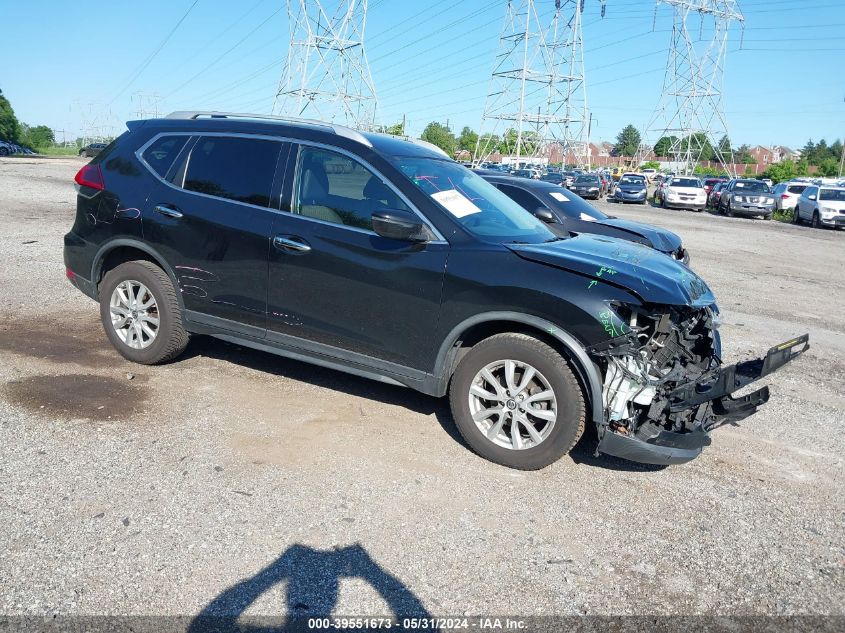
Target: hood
651 275
661 239
839 205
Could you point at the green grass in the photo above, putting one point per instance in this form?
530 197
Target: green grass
784 215
58 151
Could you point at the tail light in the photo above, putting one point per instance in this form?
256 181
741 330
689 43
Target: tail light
784 196
90 176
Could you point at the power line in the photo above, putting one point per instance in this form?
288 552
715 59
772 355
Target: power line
152 56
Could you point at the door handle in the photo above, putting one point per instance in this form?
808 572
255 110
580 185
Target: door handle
284 242
168 211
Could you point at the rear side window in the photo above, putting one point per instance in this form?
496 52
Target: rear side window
162 152
799 189
238 169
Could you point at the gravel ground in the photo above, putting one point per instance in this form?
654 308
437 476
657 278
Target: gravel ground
233 481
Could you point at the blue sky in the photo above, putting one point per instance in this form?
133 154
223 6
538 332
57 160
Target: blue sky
64 63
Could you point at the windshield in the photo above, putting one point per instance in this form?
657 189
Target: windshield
832 194
477 205
752 185
571 205
632 180
587 179
685 182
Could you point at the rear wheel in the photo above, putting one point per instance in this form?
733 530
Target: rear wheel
141 314
4 151
516 402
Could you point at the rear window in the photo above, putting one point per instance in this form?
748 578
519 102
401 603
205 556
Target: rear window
799 189
239 169
162 152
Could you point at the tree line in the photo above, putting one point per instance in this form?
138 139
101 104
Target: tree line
13 131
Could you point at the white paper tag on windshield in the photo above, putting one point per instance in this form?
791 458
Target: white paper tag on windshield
456 203
588 218
557 195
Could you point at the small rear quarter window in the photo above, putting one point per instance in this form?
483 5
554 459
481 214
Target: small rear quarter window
162 152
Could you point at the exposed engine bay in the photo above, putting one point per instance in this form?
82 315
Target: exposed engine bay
665 387
663 352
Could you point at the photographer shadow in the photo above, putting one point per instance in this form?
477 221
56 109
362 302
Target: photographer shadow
313 580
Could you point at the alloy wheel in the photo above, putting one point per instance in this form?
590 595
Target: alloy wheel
134 314
512 404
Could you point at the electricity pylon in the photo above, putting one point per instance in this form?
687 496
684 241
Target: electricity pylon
326 74
537 93
690 112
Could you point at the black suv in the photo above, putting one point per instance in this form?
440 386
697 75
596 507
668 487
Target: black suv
382 257
92 149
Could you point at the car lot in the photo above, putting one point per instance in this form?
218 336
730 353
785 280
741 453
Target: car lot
143 490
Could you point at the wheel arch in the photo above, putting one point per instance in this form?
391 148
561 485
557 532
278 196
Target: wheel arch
119 251
481 326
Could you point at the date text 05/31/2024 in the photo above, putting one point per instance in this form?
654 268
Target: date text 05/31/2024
416 624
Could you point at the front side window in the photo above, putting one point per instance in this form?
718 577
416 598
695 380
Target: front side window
334 188
473 202
234 168
163 151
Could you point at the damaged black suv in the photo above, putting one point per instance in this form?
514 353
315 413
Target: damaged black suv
381 257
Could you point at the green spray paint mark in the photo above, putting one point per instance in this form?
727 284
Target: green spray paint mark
591 284
611 323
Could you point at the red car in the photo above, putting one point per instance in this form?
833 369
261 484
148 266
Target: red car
715 192
709 183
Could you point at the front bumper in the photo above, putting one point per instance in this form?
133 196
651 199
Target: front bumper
744 208
622 196
836 220
685 204
715 390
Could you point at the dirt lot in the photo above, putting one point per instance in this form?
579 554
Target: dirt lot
238 482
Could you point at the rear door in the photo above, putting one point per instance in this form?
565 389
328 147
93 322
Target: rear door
210 217
336 286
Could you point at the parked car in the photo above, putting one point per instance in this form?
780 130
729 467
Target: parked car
745 196
649 173
710 182
330 245
683 192
566 212
5 148
92 149
527 173
821 206
556 178
631 188
787 194
570 177
607 183
715 194
588 186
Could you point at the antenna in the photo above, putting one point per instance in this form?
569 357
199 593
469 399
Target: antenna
690 113
326 75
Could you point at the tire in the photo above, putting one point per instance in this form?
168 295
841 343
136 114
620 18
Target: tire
796 217
815 222
4 151
728 211
170 337
553 373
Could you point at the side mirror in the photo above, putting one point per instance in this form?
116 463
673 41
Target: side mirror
542 213
400 225
811 197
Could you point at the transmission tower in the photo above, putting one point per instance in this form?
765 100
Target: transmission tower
537 95
326 74
690 112
146 105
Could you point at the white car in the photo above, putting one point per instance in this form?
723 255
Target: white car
821 206
649 173
683 192
787 194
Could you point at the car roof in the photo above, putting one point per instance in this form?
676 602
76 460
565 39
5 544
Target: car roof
272 125
528 183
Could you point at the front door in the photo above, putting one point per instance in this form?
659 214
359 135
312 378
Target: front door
212 223
335 282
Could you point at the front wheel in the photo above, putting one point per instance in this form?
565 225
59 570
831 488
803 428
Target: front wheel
141 314
516 402
796 216
816 222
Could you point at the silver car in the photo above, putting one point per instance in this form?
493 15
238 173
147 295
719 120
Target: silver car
787 194
821 206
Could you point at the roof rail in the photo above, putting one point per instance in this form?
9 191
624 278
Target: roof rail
340 130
